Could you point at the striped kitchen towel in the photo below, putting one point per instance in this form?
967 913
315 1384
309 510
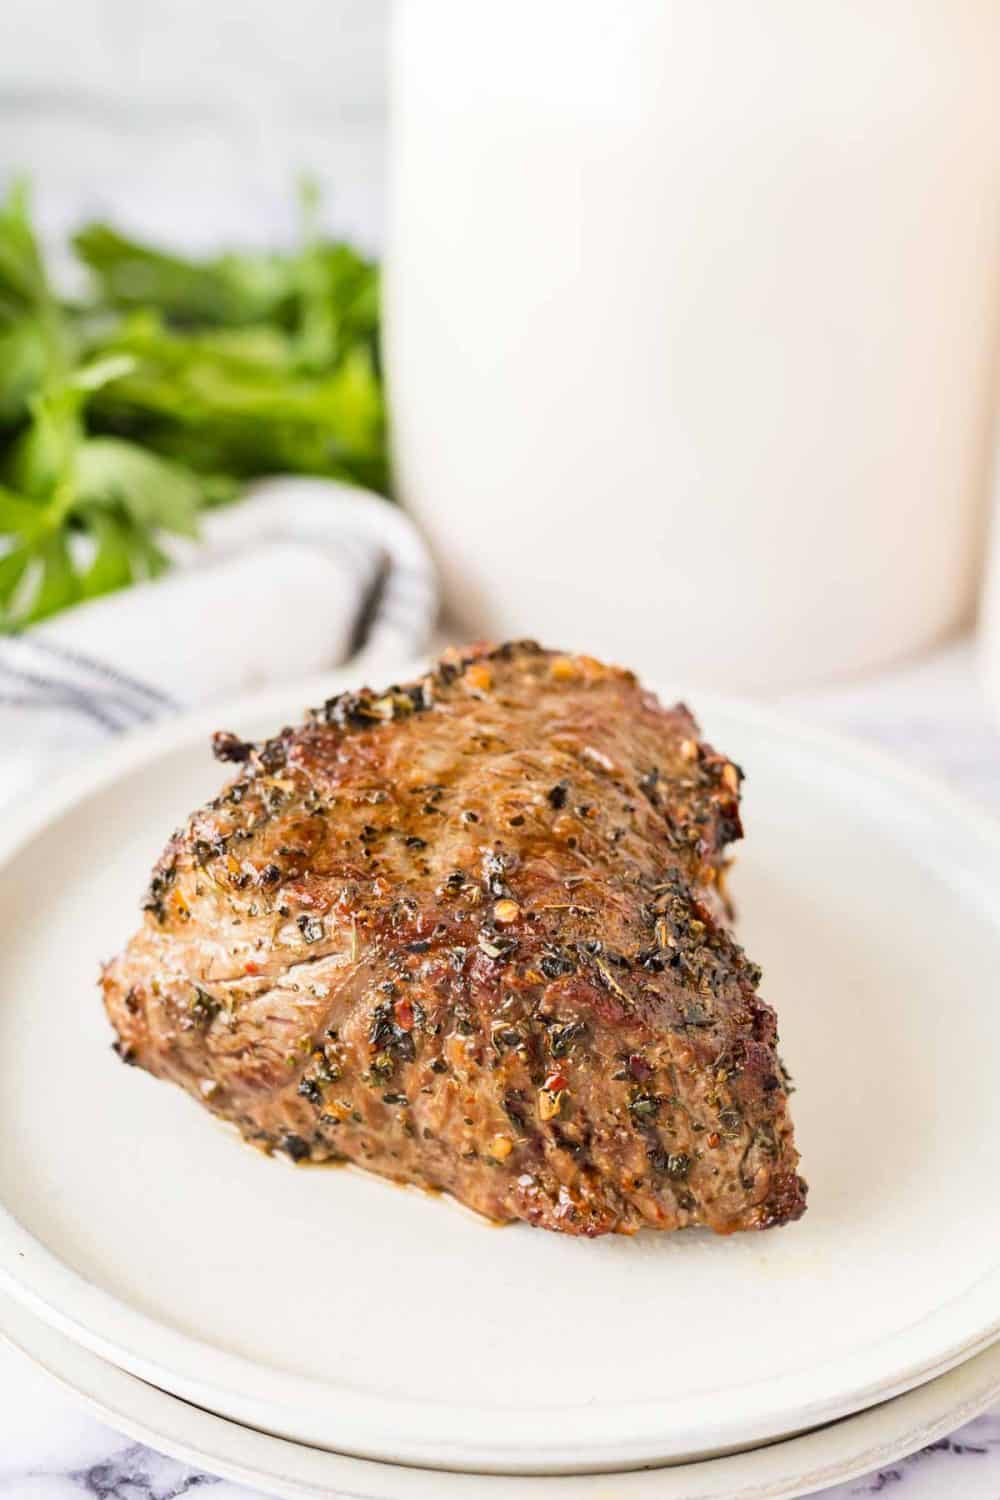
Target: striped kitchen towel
301 576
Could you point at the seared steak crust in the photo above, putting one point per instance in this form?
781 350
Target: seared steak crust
470 933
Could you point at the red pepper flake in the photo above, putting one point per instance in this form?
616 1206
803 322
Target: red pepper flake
639 1067
555 1083
403 1012
251 968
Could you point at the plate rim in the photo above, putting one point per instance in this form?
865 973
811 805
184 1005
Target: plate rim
834 1454
62 1297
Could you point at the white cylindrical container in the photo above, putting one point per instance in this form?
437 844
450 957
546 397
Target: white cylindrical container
989 617
691 314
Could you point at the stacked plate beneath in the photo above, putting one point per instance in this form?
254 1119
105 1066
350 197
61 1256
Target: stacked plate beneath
798 1466
331 1309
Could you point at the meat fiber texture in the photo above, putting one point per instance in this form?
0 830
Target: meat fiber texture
471 933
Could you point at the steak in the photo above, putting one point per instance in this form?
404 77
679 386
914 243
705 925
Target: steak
471 933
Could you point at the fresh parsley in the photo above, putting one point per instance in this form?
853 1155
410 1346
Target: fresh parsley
175 380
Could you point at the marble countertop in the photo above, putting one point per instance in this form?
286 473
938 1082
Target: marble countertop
931 714
53 1450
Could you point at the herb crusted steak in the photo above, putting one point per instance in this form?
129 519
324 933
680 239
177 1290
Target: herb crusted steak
470 933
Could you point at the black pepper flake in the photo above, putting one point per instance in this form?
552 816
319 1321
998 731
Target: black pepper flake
648 785
730 828
203 1008
273 754
495 946
558 794
228 746
644 1107
404 1046
505 1037
515 1108
269 875
495 872
562 1038
388 1039
311 928
413 842
420 694
556 961
383 1026
566 1143
352 709
297 1148
364 709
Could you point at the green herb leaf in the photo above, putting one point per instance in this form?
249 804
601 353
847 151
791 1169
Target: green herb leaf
41 461
25 295
20 517
101 372
112 565
147 558
59 585
23 284
155 493
124 415
13 565
231 290
24 359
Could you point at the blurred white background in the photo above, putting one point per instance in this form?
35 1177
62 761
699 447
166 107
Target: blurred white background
191 118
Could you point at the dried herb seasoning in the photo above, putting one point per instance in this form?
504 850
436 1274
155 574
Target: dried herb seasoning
522 997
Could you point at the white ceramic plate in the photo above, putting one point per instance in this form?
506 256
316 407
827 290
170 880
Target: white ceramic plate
799 1466
333 1308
